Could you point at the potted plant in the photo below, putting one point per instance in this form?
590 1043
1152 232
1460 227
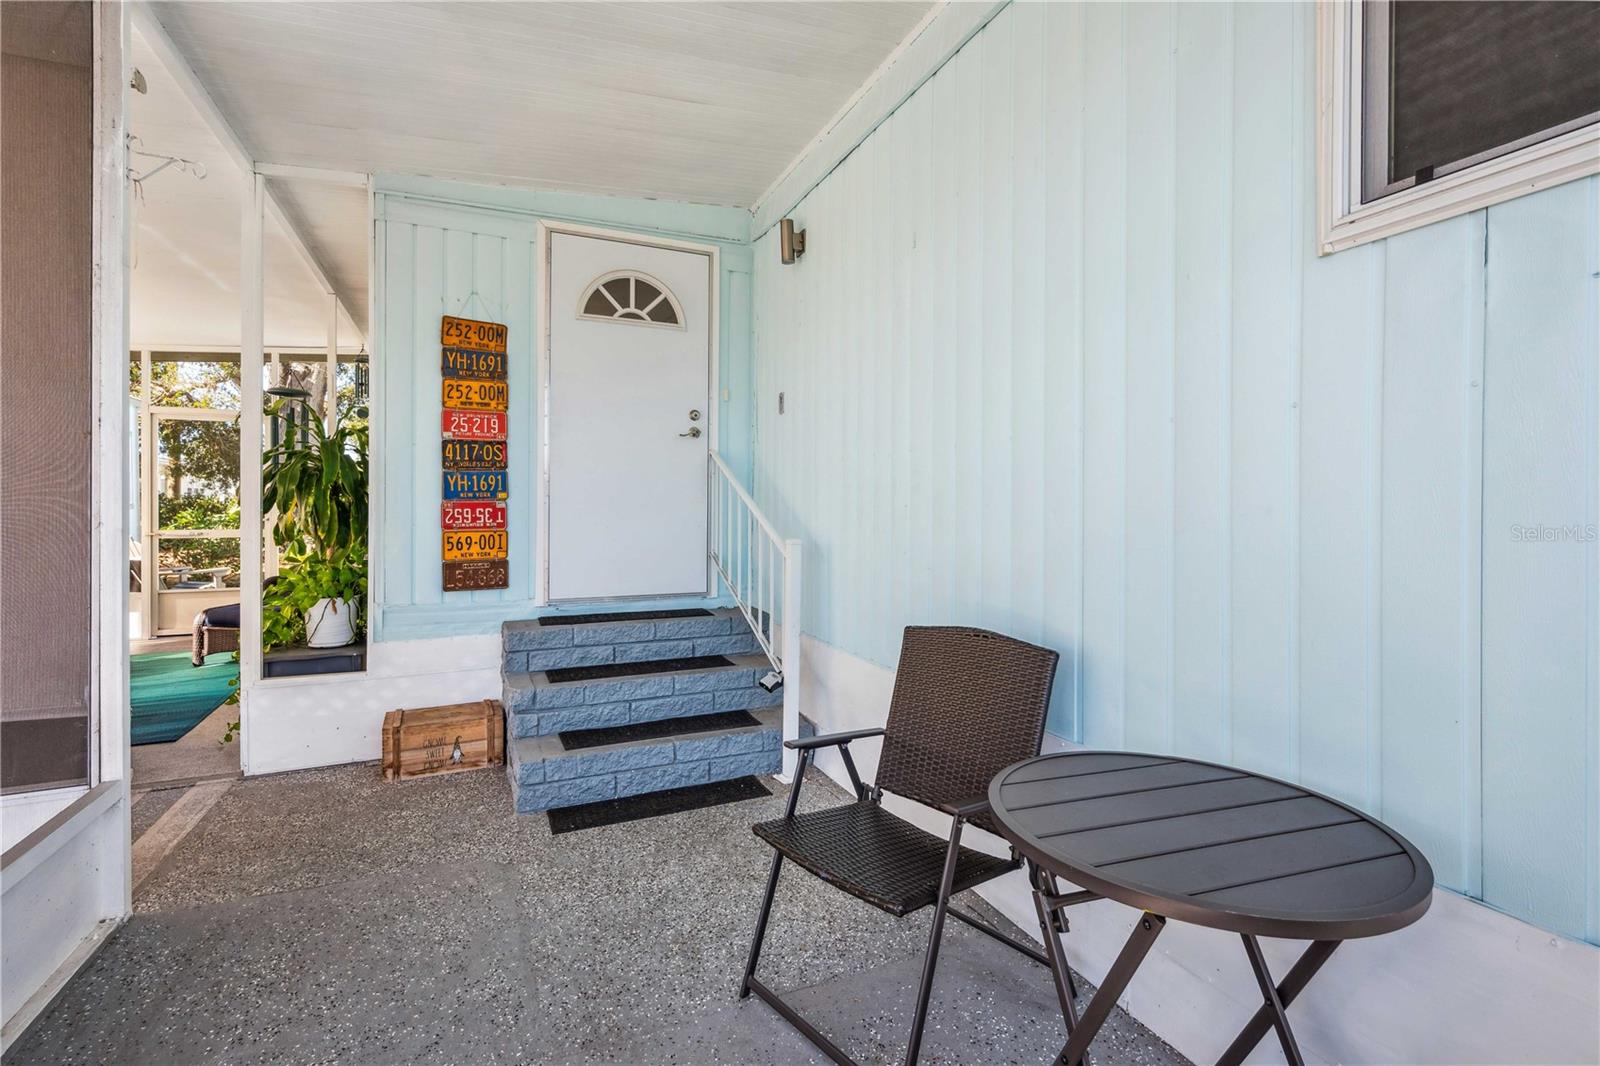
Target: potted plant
316 480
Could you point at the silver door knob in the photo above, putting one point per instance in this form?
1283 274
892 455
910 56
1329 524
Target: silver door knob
694 431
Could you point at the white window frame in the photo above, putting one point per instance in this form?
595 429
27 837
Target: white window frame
1343 221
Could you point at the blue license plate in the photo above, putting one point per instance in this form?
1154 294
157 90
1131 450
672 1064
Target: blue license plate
474 484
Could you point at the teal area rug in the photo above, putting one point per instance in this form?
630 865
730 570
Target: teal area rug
170 696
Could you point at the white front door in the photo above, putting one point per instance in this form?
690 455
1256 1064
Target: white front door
629 419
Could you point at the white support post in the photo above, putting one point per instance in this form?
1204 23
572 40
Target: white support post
793 581
330 400
150 546
252 345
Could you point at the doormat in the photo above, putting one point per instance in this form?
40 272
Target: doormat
624 616
169 696
653 804
654 666
573 739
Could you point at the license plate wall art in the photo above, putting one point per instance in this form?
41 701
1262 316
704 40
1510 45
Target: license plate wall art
475 397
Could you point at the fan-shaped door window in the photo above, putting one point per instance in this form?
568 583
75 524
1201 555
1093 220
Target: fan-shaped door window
628 296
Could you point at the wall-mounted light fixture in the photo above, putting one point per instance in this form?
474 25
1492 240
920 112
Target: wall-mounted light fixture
791 243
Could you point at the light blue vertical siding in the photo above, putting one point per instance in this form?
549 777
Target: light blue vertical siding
444 248
1061 359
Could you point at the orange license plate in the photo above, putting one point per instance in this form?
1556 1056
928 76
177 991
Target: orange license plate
470 333
471 395
474 544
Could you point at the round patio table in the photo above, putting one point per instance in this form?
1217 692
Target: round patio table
1184 840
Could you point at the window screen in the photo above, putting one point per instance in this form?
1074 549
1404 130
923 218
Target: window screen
1450 84
46 614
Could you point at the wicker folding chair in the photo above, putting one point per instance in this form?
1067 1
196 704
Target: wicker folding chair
967 703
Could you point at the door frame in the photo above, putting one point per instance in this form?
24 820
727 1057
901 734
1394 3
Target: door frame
545 230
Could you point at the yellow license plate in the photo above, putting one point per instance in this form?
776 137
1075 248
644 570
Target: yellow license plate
470 333
465 394
474 544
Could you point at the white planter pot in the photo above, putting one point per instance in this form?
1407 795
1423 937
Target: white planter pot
331 623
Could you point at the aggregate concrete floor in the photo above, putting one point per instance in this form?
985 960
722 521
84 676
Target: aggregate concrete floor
329 917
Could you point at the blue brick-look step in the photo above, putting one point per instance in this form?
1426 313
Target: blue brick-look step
545 775
530 647
537 706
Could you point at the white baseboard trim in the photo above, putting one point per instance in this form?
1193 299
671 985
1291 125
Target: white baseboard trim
1466 984
303 722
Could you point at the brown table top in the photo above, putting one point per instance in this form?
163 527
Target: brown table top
1210 844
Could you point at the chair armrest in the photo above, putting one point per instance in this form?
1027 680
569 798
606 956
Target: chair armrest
831 740
965 810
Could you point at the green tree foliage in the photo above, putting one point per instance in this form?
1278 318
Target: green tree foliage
199 461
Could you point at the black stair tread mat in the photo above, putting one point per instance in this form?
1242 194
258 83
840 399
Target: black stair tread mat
622 616
651 666
654 804
574 739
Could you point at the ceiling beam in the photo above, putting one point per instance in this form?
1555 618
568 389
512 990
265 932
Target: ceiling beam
155 35
294 172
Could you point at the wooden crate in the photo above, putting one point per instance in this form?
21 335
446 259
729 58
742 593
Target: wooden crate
443 740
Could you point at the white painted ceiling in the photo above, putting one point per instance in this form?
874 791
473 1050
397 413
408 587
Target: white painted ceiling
185 230
704 102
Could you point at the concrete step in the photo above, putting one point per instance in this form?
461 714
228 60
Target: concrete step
537 706
529 646
545 775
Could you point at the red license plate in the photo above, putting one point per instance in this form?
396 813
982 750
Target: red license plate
473 514
473 425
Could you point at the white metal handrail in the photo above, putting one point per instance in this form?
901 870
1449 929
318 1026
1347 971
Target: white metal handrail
762 572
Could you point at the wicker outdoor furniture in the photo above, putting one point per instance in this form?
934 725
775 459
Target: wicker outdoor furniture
215 629
966 704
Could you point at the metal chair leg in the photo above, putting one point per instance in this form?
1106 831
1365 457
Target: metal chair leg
925 989
761 925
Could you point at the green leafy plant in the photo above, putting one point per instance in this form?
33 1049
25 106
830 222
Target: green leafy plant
304 578
316 480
